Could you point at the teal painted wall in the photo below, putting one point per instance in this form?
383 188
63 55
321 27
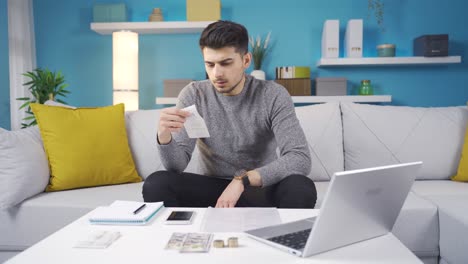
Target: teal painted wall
64 42
4 73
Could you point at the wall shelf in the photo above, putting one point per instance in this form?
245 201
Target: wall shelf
170 27
345 98
370 61
311 99
166 100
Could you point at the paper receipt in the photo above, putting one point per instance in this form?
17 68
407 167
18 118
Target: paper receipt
194 124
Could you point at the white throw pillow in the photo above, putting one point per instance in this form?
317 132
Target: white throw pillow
377 135
24 170
141 130
142 127
323 130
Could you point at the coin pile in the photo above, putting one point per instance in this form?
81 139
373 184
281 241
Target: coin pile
232 242
218 243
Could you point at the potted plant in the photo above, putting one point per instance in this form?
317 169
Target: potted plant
44 85
377 6
259 48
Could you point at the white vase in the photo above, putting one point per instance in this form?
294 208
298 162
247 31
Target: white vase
258 74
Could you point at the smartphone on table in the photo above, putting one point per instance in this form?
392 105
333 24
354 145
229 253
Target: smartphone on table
180 218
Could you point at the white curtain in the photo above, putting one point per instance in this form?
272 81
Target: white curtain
21 45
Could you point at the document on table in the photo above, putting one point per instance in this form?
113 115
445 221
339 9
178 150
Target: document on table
238 219
98 239
195 125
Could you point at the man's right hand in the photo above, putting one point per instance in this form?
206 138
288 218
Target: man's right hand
170 120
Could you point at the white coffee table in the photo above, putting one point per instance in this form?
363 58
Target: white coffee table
145 244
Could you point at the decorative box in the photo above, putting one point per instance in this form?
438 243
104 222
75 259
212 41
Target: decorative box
292 72
296 87
173 87
431 45
331 86
386 50
203 10
109 13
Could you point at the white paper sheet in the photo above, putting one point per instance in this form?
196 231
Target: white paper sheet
98 239
195 125
238 219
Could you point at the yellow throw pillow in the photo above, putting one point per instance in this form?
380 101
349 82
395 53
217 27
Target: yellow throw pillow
85 146
462 173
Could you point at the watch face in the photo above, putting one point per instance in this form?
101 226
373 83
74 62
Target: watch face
246 181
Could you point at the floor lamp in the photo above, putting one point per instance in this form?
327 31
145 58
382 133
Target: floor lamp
125 69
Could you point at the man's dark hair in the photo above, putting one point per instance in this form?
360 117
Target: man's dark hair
222 34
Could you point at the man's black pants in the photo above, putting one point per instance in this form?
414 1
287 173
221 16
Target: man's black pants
194 190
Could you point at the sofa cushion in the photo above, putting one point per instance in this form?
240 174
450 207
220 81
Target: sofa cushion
443 261
417 226
381 135
40 216
453 218
24 170
440 187
322 127
142 127
85 147
322 188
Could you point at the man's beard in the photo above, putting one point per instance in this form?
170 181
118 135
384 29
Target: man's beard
232 88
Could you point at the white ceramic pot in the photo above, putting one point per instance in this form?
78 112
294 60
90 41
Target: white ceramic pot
258 74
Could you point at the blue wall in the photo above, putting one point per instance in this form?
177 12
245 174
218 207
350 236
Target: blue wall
4 73
64 42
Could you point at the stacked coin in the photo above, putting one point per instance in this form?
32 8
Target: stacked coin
233 242
219 243
156 15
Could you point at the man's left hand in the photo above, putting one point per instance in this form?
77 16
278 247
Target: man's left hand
230 195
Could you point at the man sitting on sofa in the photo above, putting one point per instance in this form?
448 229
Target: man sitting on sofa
247 119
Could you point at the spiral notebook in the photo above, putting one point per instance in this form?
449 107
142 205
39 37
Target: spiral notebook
123 213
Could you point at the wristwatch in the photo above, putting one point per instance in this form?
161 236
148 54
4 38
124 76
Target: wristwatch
241 175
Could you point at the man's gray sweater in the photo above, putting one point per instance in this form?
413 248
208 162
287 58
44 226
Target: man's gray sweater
245 131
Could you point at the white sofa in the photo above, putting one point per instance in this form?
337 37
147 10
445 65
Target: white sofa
433 222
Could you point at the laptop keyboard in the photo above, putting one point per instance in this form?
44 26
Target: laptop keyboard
296 240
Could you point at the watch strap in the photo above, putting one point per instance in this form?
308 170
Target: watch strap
241 175
246 181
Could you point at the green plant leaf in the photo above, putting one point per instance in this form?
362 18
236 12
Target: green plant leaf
29 118
43 84
63 86
24 105
29 83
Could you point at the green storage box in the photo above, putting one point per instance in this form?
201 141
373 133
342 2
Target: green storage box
109 13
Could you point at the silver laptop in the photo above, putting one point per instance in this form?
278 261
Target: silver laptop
359 205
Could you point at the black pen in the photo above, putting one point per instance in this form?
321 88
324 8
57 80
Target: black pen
139 209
